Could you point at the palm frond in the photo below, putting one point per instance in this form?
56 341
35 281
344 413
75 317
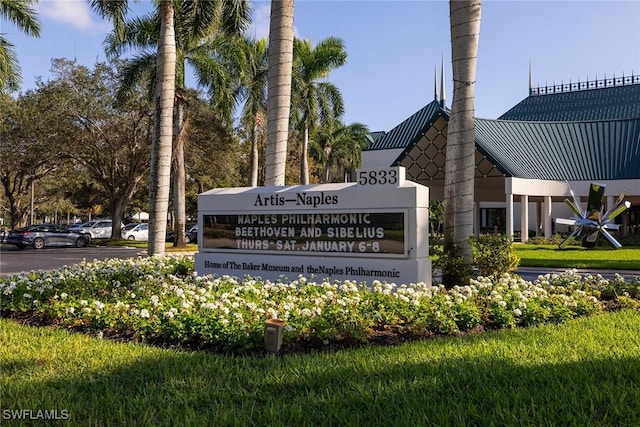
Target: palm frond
140 68
236 16
137 33
115 10
10 76
21 14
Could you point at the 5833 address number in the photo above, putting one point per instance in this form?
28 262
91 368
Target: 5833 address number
388 176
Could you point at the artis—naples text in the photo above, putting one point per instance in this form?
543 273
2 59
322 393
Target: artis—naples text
301 199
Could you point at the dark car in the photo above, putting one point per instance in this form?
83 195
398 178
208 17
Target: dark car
43 235
190 234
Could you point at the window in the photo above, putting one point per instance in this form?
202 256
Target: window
493 217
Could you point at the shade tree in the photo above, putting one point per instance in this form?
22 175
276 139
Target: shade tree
164 92
109 139
206 38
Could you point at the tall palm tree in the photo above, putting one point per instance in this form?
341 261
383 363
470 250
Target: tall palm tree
253 91
163 117
163 131
22 15
460 167
338 145
206 37
279 89
315 101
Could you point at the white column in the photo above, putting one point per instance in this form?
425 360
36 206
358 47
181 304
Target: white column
524 218
477 220
509 215
538 220
546 217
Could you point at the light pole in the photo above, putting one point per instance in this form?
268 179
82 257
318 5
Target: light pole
32 193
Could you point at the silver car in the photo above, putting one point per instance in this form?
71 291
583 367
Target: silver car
136 232
96 229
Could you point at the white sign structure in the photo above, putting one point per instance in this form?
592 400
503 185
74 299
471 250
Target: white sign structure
373 229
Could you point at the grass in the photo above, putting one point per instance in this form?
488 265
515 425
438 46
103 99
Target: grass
190 247
583 372
550 256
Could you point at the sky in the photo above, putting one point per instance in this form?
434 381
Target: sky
396 48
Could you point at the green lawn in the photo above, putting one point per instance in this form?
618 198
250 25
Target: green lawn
583 372
530 255
626 258
190 247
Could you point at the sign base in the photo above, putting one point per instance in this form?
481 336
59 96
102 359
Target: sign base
279 267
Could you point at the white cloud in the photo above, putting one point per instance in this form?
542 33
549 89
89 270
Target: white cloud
259 28
77 13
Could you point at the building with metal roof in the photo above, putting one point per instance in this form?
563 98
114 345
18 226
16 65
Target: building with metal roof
560 137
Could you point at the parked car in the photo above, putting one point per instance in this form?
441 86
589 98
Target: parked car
78 225
128 227
136 231
96 229
190 234
42 235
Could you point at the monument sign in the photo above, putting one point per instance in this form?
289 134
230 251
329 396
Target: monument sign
375 228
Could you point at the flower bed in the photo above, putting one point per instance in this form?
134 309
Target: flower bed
161 301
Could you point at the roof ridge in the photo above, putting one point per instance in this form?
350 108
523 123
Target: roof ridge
579 86
549 122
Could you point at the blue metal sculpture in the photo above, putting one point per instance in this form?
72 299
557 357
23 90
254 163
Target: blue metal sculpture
594 220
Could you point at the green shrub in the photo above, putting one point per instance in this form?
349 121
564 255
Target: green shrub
453 267
493 254
632 239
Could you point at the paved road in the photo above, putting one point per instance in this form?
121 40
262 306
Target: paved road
13 260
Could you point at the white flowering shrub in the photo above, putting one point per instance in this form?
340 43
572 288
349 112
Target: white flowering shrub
160 300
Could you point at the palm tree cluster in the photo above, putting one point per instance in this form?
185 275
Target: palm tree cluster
207 39
234 69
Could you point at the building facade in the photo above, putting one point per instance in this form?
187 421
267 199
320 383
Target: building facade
560 138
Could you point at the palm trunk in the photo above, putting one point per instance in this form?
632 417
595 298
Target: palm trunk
279 89
304 167
460 165
163 131
253 173
179 173
327 165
